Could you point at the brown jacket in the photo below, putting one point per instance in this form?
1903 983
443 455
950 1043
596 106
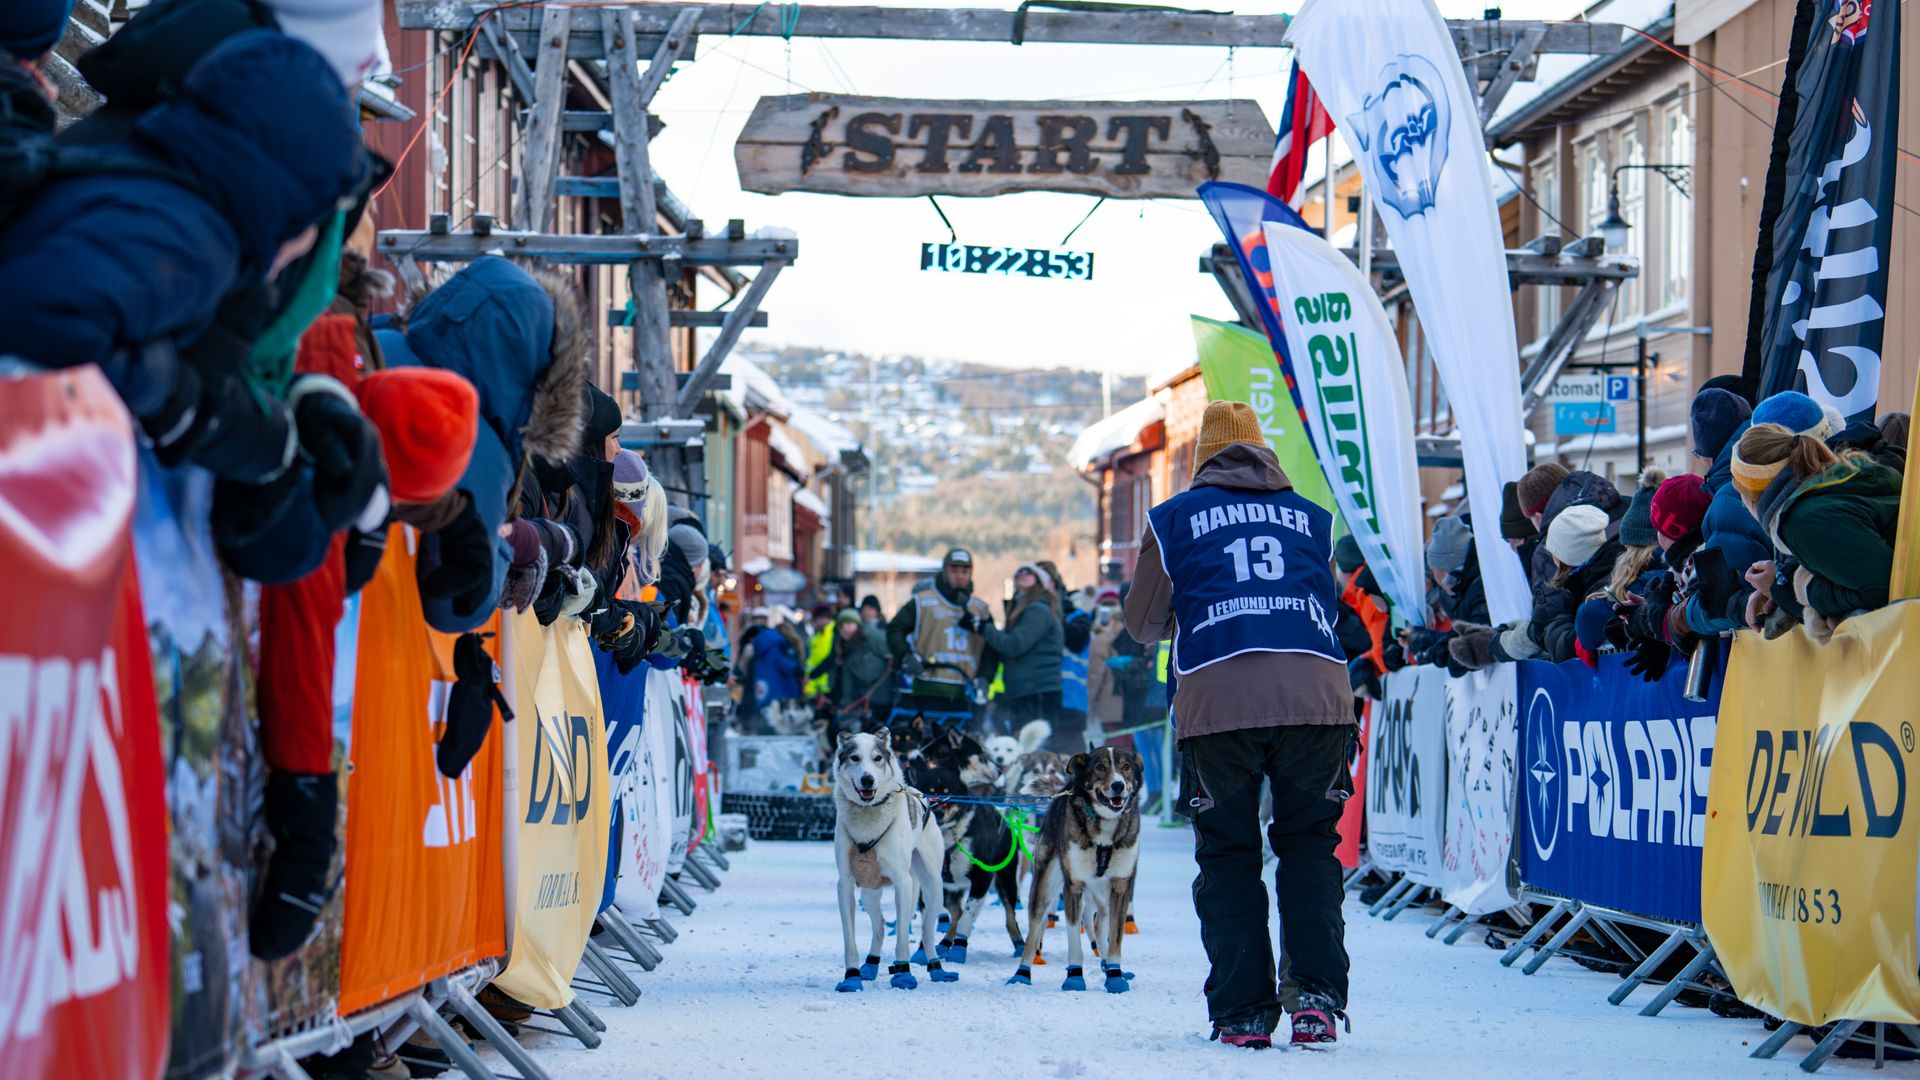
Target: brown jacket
1252 690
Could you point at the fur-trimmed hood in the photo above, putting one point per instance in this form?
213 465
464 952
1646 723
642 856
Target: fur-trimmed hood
521 339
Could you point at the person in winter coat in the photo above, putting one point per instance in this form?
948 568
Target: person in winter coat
1258 698
1578 488
1028 652
135 268
1459 593
1534 490
1597 624
521 340
1105 702
1732 540
773 664
858 671
937 640
1583 559
1655 611
1838 516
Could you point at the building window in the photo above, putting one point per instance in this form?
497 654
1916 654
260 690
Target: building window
1677 264
1546 191
1633 208
1593 178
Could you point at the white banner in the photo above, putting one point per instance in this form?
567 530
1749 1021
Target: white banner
1407 775
1482 777
1353 385
680 766
1391 78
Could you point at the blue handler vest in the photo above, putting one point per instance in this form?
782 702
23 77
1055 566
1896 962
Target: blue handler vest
1250 574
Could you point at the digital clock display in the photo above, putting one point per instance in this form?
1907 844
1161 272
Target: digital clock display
1007 261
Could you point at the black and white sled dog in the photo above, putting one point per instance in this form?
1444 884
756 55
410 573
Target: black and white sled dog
884 834
980 856
920 744
1089 847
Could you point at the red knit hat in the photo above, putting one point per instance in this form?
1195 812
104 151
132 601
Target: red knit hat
427 418
1679 505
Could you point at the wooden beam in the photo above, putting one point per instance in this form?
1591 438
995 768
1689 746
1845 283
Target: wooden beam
1511 68
586 250
987 24
679 43
534 209
743 308
507 51
681 318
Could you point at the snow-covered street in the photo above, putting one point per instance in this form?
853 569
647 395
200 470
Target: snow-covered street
746 992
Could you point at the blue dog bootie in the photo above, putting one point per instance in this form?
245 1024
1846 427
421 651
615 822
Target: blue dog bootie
939 974
919 957
851 984
1113 969
871 969
955 952
1075 980
1023 976
902 977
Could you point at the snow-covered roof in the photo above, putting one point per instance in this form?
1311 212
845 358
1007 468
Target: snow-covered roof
1619 440
828 437
805 497
1116 432
753 390
869 561
787 447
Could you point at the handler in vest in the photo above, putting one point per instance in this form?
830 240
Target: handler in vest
936 640
1235 570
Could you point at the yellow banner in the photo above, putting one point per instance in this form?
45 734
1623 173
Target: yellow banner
1906 545
1808 882
560 796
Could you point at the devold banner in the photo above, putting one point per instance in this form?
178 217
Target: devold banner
1808 883
901 147
83 855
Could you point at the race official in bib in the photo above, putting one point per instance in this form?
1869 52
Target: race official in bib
1235 571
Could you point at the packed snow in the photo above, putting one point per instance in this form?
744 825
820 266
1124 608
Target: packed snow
747 992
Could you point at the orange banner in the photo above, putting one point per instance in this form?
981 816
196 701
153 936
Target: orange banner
425 894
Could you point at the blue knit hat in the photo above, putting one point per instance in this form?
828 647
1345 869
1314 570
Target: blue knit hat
32 27
1713 418
1794 411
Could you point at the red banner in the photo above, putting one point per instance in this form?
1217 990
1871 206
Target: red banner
83 924
1353 814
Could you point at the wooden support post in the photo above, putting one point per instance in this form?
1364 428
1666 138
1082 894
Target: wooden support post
1511 68
534 204
508 50
737 320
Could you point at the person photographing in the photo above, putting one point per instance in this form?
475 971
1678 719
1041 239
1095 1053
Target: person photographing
1235 571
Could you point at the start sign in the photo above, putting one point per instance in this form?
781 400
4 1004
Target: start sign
842 145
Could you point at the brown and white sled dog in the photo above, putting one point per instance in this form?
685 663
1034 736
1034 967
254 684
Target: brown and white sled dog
1089 847
884 834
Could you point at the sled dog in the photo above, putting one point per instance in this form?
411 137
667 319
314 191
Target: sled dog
884 834
1089 847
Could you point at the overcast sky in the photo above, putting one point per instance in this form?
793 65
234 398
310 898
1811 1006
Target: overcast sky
857 284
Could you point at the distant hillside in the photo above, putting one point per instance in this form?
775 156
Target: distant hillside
964 454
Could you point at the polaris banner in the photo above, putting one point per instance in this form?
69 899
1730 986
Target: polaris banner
1353 382
1390 74
1614 786
1818 313
1407 775
1482 733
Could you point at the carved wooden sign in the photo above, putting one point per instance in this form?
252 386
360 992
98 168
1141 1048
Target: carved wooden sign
900 147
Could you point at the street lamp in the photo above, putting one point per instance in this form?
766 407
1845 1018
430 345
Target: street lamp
1613 228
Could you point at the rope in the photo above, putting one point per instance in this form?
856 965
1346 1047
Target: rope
1017 821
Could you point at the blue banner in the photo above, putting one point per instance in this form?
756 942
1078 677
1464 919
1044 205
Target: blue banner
1613 806
1242 213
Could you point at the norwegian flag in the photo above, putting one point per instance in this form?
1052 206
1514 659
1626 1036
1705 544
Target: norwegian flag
1303 122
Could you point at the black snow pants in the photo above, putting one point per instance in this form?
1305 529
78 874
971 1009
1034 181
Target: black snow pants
1220 789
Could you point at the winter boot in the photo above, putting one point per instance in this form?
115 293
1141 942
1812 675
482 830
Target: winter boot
1250 1034
1313 1021
301 810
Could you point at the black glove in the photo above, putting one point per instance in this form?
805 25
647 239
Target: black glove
1394 655
465 573
301 811
348 469
911 665
1717 585
470 704
969 622
364 550
1650 660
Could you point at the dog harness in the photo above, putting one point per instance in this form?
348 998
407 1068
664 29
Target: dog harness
1102 858
916 816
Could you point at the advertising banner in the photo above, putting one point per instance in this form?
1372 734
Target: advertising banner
638 821
697 740
1817 317
214 776
559 791
1353 815
1407 775
683 772
1390 74
1238 365
412 832
1808 886
1482 740
1353 388
1614 780
83 848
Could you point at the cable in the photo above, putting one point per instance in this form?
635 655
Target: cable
1605 341
1098 203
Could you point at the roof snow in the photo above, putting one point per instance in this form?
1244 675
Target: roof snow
1117 432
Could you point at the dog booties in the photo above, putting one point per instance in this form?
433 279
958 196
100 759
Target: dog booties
902 977
1022 977
871 969
851 984
1075 980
